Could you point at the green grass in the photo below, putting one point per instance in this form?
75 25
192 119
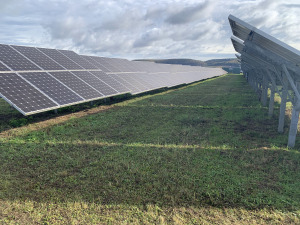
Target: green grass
200 154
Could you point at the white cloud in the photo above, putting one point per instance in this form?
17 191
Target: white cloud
137 29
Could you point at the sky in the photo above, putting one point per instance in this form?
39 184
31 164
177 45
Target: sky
136 29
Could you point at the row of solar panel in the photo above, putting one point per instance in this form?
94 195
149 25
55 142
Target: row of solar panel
21 58
38 79
33 92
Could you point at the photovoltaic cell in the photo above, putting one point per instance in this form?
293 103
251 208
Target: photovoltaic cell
3 67
38 58
92 59
78 59
23 95
60 58
140 78
107 78
95 82
132 80
52 88
76 85
126 83
153 83
15 60
108 63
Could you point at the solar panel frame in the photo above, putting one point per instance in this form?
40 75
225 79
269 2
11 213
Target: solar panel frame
266 60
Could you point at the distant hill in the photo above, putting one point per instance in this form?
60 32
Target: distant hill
190 62
230 64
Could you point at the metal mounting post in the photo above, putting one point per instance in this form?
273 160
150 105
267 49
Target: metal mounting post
271 102
264 93
293 128
273 90
294 121
283 105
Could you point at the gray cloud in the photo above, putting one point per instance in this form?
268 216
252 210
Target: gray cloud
189 13
291 5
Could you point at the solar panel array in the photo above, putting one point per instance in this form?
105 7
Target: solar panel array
268 63
34 79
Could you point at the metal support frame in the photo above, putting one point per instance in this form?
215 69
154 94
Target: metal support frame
294 122
268 62
271 102
283 105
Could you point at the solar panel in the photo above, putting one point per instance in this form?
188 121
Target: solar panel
78 59
60 58
155 81
95 83
38 58
237 44
47 79
3 67
244 30
77 85
268 62
141 80
109 64
127 83
22 95
95 61
134 82
15 60
52 88
111 81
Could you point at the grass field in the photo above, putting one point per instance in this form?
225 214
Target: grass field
201 154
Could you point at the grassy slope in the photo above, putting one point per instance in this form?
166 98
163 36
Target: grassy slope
206 153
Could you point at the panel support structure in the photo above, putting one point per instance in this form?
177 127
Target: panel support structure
283 105
294 124
264 93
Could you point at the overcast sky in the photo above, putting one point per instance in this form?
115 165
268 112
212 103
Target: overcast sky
132 29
